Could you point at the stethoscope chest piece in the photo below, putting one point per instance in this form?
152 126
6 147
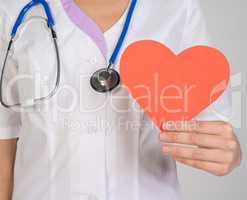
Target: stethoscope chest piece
105 80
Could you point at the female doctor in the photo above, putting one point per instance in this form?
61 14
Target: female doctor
87 143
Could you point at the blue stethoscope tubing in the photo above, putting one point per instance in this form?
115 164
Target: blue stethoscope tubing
123 34
51 24
29 6
106 79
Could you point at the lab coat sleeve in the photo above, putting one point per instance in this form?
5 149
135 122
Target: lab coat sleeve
195 33
9 120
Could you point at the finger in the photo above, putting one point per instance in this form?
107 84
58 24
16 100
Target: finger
206 127
193 153
201 140
214 168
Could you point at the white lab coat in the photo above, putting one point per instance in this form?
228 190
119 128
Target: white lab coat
81 144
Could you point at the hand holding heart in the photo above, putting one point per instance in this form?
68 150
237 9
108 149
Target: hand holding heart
176 88
215 148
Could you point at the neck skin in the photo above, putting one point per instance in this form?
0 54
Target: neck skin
104 12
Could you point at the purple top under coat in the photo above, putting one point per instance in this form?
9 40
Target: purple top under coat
86 24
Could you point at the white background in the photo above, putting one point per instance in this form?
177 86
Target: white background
227 23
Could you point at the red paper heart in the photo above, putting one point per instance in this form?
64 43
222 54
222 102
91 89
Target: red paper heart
173 87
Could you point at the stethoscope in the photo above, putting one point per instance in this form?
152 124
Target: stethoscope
103 80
